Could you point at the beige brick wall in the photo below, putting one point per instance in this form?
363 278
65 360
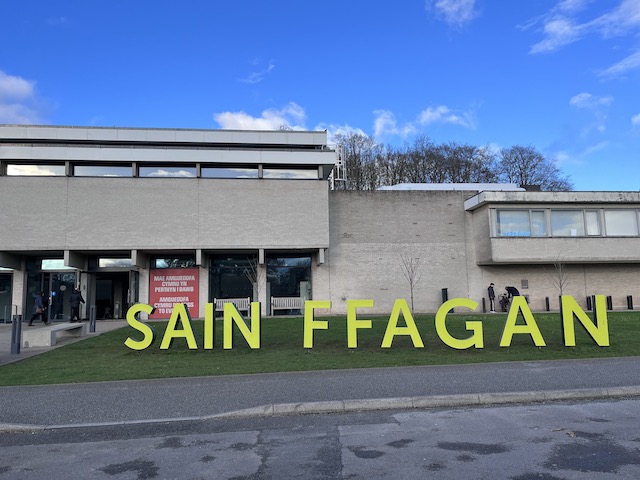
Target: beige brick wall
152 213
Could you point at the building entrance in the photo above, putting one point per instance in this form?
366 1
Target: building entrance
113 293
56 286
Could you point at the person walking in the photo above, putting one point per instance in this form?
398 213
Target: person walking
492 298
39 309
75 299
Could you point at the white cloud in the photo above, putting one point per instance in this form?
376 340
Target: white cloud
561 26
385 123
558 32
443 114
14 87
632 62
291 116
333 130
454 12
257 77
635 121
588 101
17 100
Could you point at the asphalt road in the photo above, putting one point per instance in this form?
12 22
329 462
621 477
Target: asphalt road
360 389
595 440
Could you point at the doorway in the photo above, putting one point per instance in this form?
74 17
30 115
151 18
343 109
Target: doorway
113 293
56 286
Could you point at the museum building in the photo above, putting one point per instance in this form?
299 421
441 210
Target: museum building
164 216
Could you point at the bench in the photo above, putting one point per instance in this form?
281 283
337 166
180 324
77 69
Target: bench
241 304
48 336
286 303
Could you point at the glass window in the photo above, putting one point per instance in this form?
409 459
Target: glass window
538 223
6 308
232 276
567 223
285 274
36 170
102 171
223 172
621 222
513 223
592 221
177 261
54 264
114 262
186 171
291 173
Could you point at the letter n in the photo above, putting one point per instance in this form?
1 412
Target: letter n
571 309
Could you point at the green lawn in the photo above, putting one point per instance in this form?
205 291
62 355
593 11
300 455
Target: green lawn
105 357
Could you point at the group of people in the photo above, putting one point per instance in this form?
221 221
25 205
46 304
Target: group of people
40 307
504 299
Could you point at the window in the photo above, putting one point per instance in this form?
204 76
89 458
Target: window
185 171
232 276
102 171
113 262
567 223
291 173
513 223
177 261
621 222
538 223
228 172
289 276
592 221
35 170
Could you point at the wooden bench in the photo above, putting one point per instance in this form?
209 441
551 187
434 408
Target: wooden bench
286 303
242 304
48 336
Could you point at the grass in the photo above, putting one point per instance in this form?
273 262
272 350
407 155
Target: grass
106 358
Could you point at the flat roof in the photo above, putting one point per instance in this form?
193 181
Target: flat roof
59 133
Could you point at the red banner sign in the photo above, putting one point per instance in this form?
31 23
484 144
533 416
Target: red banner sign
168 286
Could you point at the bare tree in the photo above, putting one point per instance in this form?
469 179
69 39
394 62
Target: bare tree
252 272
527 166
412 271
559 276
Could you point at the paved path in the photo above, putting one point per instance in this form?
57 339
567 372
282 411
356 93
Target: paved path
309 392
333 390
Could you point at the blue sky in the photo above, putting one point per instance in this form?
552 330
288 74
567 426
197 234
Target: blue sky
562 76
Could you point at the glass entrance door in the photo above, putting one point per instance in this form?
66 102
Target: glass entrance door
56 286
61 285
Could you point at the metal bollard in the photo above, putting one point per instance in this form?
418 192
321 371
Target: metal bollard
92 318
16 334
629 302
546 304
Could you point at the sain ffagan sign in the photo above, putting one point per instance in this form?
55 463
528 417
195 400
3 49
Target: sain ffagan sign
179 325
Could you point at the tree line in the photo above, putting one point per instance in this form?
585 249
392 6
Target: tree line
370 165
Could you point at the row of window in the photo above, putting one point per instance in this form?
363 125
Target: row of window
566 223
161 171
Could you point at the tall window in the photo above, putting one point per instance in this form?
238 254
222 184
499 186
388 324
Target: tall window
289 276
231 276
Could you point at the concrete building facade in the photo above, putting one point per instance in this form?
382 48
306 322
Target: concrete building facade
196 216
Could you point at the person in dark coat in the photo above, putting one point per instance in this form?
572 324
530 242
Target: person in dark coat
39 309
492 298
75 299
512 292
